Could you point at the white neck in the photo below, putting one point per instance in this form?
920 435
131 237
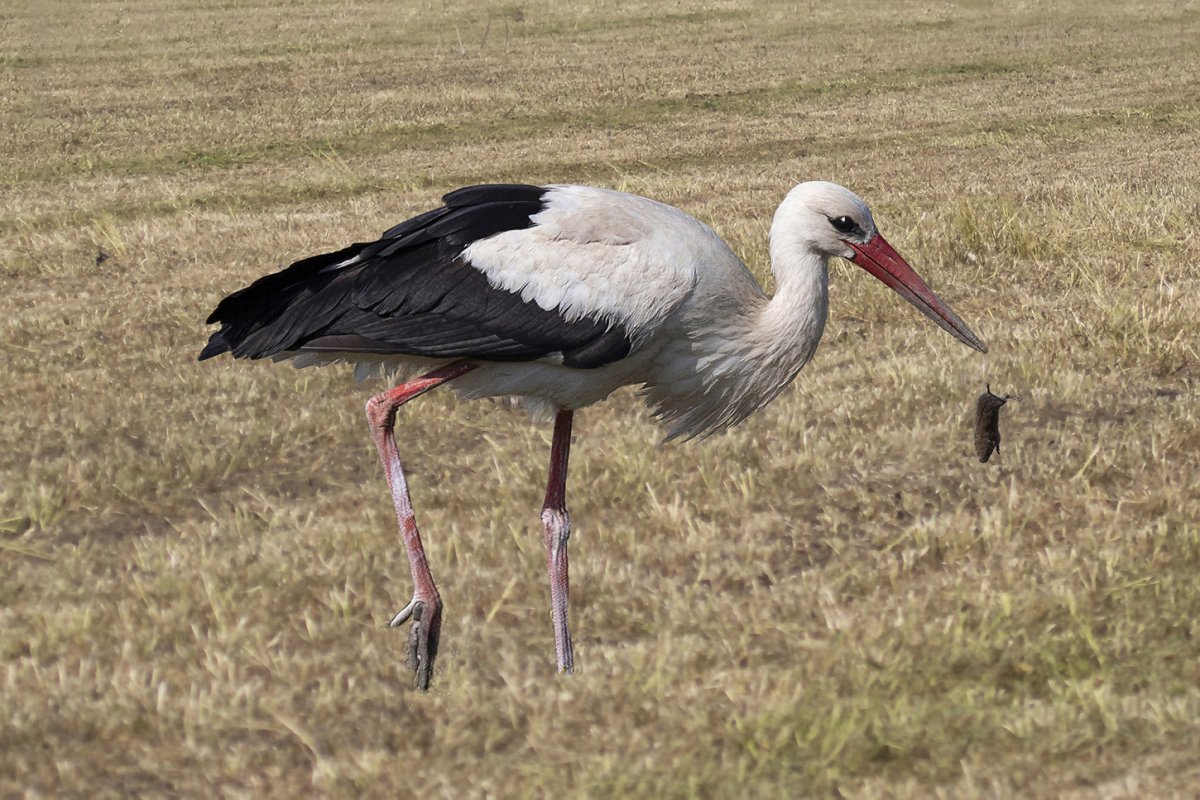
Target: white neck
747 347
791 324
759 349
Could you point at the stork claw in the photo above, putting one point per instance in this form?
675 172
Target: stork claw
402 616
426 616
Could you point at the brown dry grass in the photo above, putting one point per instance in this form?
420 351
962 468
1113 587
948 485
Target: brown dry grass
834 598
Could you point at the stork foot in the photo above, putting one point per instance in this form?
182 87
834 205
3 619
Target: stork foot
426 618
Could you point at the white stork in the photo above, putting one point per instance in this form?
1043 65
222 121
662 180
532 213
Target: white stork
558 295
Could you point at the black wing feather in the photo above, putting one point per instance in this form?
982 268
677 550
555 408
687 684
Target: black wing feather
412 293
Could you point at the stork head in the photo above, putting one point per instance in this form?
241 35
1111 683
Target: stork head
832 221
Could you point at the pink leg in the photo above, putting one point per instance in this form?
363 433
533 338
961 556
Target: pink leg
425 608
558 531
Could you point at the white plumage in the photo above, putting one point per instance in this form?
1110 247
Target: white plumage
559 295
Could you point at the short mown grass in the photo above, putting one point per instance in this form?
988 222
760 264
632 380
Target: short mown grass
835 598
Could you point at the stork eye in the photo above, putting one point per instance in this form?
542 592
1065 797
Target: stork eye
843 224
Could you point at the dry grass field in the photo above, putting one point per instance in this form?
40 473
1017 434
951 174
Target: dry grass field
834 599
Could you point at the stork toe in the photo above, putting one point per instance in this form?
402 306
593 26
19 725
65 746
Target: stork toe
403 615
423 636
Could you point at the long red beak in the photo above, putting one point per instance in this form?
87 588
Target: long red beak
881 260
